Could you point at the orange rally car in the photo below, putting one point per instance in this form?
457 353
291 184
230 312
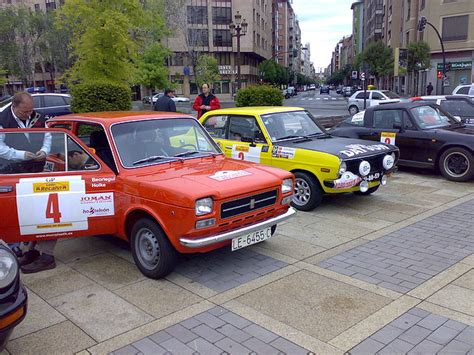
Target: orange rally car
157 180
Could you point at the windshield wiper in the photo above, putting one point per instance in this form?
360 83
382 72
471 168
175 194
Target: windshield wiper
288 137
186 153
150 159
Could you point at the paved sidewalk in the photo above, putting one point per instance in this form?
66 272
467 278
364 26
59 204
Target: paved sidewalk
390 273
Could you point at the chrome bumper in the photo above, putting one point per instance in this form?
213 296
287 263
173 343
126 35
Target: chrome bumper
202 242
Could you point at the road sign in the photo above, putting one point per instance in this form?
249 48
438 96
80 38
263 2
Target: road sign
354 74
362 76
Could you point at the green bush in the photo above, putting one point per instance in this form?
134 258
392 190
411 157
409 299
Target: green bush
259 95
100 96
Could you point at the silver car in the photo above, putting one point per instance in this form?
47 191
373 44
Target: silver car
355 103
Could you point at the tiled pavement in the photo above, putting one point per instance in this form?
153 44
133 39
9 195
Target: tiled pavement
403 260
217 331
419 332
222 269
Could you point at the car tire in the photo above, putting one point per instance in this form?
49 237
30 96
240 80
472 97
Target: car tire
370 191
154 255
457 164
353 109
308 194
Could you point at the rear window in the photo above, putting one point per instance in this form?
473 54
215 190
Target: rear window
390 94
53 100
464 90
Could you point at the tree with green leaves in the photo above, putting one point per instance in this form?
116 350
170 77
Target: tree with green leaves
108 37
151 71
207 70
419 54
379 59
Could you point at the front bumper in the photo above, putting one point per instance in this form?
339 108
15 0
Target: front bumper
12 313
350 180
202 242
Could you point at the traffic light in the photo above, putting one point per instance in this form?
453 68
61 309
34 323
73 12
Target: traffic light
422 24
440 74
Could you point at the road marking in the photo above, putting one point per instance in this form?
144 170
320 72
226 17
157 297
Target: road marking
318 98
326 98
333 98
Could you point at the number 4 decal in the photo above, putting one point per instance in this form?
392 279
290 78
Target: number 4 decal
52 208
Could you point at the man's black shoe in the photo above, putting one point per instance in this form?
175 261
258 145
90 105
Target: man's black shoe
44 262
29 257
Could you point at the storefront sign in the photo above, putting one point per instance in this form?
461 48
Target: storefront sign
456 65
226 69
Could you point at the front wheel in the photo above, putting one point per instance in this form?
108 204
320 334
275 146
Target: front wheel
151 249
370 191
353 110
308 194
457 164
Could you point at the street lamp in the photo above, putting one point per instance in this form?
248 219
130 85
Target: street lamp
238 28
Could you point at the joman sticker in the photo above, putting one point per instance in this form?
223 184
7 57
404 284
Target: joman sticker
50 205
229 174
358 149
98 205
245 152
388 137
283 152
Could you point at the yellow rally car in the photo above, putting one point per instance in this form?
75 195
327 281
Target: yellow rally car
291 139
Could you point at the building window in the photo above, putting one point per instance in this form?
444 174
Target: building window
422 5
177 59
408 9
197 14
221 15
455 28
223 58
198 38
222 38
37 7
50 6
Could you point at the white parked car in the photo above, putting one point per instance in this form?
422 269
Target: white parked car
175 99
464 90
355 103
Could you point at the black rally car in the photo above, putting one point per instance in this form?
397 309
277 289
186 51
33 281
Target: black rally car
427 136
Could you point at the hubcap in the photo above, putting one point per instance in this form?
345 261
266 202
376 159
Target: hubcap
456 164
353 110
302 192
148 248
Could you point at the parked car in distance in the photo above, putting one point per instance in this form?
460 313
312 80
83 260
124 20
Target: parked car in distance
180 99
461 106
324 89
13 295
373 97
312 87
464 90
290 138
347 91
339 89
427 136
156 180
50 105
155 97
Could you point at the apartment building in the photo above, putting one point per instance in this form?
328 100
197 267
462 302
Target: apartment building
44 5
373 20
305 67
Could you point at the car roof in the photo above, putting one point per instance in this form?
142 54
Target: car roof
51 94
444 97
399 105
111 117
257 110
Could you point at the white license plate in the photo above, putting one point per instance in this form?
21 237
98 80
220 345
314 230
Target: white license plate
374 176
252 238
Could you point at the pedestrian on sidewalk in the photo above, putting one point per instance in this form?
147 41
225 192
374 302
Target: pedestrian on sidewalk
429 89
205 101
165 102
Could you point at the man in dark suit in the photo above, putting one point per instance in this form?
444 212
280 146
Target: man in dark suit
26 153
165 102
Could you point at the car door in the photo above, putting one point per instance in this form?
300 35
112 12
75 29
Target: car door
359 100
61 199
375 98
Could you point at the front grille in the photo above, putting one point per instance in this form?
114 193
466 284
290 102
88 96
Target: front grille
248 204
376 164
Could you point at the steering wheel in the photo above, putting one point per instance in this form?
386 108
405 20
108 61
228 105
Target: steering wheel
188 145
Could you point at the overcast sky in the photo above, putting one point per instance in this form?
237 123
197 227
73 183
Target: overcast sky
323 23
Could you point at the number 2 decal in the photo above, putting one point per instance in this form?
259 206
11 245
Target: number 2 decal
52 208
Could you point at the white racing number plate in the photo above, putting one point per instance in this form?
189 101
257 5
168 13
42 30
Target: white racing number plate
252 238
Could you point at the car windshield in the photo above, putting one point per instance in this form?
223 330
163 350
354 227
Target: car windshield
429 117
4 103
292 124
158 141
390 95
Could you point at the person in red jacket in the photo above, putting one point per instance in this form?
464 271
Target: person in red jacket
206 101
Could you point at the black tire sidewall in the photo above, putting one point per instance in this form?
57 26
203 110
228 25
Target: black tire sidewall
168 255
468 175
316 192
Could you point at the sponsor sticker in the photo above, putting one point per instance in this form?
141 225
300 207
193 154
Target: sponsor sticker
283 152
242 148
388 137
97 205
357 149
347 180
58 186
229 174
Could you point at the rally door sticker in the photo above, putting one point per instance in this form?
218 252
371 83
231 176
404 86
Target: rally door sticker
58 204
388 137
245 152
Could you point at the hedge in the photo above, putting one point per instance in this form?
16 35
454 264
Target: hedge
100 96
259 95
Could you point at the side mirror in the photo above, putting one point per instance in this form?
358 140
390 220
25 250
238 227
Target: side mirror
398 126
247 139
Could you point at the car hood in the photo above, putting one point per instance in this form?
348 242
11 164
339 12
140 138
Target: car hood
344 148
459 132
183 183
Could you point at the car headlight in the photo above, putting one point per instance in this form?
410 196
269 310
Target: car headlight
203 206
287 186
342 168
388 161
364 168
8 268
